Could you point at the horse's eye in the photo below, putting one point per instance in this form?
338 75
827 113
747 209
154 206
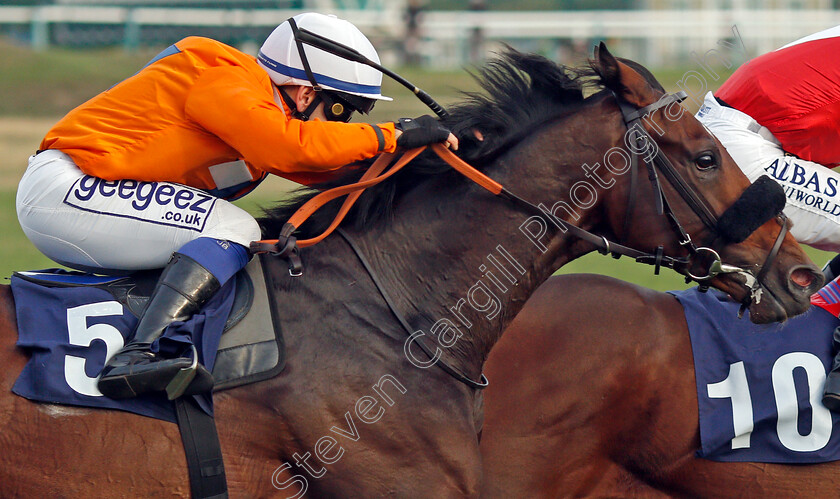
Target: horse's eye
706 161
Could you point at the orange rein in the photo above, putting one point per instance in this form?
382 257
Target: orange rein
372 176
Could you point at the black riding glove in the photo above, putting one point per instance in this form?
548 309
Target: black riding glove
420 132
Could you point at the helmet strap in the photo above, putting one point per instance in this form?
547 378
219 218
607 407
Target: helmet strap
302 53
307 113
309 76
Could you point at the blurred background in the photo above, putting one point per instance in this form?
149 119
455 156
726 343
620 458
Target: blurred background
56 54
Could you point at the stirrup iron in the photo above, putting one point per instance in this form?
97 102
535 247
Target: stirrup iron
182 379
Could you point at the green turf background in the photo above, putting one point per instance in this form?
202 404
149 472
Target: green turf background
36 89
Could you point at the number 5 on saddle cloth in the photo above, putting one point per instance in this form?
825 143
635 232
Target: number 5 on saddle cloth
71 322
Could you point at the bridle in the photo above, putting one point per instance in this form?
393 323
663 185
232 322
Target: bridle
386 165
695 200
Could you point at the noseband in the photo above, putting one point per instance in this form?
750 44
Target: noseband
695 200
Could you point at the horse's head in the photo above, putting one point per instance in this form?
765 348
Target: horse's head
706 197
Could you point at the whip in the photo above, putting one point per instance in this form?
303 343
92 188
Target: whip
349 53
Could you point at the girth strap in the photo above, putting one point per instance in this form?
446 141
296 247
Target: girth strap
205 466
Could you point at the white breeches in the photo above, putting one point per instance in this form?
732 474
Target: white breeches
812 190
91 224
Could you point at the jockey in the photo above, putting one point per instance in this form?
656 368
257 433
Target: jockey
779 114
141 176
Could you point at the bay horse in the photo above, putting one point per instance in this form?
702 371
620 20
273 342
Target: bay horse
359 411
594 395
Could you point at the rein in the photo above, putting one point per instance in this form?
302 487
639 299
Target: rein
387 164
287 245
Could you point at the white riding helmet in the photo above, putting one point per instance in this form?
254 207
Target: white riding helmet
279 56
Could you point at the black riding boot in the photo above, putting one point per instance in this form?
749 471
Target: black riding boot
183 288
831 392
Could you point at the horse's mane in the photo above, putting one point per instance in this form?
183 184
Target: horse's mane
519 93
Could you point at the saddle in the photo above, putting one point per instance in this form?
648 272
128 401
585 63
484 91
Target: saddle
251 348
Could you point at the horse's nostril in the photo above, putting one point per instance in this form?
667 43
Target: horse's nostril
804 278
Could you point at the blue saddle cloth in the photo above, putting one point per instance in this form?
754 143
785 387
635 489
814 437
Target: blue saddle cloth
759 387
69 331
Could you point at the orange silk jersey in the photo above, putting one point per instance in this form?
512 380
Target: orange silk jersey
202 103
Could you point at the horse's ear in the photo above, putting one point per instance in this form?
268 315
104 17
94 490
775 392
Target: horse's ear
622 79
607 66
597 50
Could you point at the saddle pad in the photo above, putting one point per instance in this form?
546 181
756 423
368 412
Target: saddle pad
253 349
70 331
759 387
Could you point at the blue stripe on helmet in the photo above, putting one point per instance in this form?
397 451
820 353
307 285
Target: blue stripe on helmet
300 74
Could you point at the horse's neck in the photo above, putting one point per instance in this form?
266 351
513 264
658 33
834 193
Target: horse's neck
467 262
